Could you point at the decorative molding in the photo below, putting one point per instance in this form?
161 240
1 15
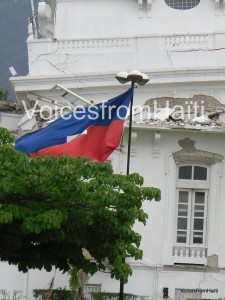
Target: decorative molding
149 7
156 144
189 154
189 254
223 4
101 43
83 80
96 45
217 7
140 8
188 41
49 46
169 207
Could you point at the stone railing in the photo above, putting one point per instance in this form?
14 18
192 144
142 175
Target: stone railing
192 41
190 254
95 44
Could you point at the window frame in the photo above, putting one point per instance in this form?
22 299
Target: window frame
192 186
192 183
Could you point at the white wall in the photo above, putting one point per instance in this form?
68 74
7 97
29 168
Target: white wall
12 280
112 35
86 18
9 120
183 51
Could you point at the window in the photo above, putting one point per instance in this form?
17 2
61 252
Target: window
182 4
191 216
192 194
192 172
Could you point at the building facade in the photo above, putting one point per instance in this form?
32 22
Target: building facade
178 135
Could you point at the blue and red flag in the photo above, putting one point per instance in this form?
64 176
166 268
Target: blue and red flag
97 130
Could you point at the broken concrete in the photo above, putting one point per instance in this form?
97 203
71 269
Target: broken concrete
210 103
9 107
198 112
10 114
41 110
201 120
189 154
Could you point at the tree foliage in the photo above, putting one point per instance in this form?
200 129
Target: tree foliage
51 208
73 278
114 296
3 95
57 294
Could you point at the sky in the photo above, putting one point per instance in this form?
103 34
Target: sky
14 16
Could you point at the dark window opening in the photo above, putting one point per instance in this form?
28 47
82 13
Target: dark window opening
182 4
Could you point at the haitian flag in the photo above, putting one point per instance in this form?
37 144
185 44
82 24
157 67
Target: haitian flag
97 130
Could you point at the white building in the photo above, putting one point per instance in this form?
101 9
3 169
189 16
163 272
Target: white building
180 44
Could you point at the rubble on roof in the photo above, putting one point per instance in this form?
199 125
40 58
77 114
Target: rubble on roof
198 112
10 107
10 114
40 110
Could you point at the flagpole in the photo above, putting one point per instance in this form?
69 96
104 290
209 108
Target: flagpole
130 130
121 295
141 79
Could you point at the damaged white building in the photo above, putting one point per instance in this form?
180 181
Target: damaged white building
178 138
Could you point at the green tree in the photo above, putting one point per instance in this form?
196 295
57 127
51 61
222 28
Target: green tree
77 280
3 95
73 279
53 210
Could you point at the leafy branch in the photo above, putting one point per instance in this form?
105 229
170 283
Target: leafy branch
53 207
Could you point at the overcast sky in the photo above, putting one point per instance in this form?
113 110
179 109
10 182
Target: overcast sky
13 34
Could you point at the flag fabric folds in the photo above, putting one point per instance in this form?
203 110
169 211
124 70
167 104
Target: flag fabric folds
95 131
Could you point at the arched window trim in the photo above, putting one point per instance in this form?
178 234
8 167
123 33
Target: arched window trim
193 169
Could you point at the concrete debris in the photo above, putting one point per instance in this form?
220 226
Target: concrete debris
221 117
41 110
144 117
215 113
176 116
197 112
164 114
10 107
201 104
197 122
27 123
10 114
201 120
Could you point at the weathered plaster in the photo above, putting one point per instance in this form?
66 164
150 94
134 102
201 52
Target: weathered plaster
189 154
205 103
212 261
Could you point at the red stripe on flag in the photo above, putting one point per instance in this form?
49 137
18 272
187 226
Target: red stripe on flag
97 144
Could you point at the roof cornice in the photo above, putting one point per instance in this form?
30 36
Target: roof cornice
203 76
